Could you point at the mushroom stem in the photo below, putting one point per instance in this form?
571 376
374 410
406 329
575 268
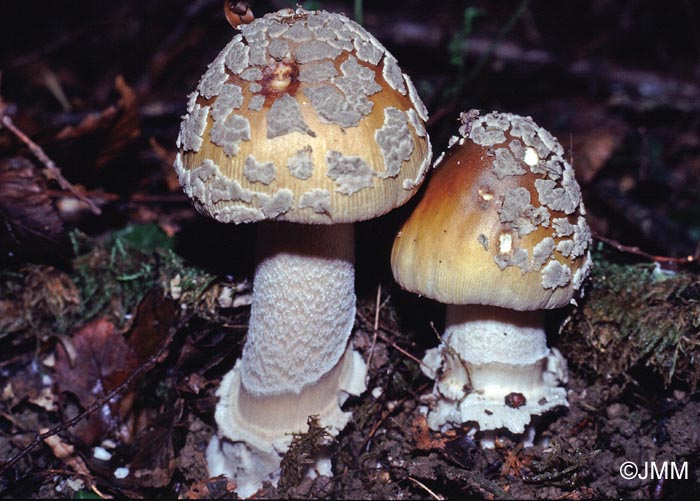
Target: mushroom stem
487 354
303 306
296 361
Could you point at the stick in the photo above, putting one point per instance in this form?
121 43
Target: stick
389 342
639 252
425 488
39 153
377 307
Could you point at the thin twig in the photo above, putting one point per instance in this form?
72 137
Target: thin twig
377 308
94 489
39 153
358 12
384 415
658 259
426 489
388 341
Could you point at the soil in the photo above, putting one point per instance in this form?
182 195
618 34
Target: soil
121 308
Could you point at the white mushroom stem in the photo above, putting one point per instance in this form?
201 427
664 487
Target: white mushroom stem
486 354
296 361
303 307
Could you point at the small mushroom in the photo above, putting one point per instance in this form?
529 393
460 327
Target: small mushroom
303 118
499 236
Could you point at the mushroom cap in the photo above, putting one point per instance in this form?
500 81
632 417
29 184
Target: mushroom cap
501 221
304 117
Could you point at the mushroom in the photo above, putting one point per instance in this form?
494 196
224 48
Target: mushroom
305 118
500 237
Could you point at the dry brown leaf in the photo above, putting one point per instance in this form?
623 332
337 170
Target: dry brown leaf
113 129
423 436
167 158
126 128
46 399
104 358
594 148
154 317
36 305
154 462
27 213
66 453
104 361
28 385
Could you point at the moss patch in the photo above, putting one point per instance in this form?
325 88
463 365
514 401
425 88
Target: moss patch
637 317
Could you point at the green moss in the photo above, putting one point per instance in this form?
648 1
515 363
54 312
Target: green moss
108 278
637 316
114 274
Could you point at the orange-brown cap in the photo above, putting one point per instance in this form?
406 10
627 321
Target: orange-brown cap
303 117
501 221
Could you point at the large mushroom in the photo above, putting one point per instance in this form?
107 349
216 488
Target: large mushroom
304 118
500 237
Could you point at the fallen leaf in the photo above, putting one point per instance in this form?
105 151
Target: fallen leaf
422 435
35 304
103 362
154 462
46 399
28 216
66 453
594 148
167 158
154 317
112 129
28 385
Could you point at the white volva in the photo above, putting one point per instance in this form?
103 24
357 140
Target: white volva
494 352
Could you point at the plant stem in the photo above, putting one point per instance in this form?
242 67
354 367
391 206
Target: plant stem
358 11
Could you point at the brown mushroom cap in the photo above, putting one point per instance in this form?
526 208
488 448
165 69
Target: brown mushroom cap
303 117
501 222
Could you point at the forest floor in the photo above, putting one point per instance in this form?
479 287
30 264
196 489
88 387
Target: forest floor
121 308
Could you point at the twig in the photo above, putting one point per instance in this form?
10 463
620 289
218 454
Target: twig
377 308
39 153
94 489
639 252
388 341
384 415
97 404
53 84
425 488
358 12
